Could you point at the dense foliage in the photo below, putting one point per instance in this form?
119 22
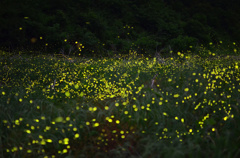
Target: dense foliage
109 26
124 106
182 101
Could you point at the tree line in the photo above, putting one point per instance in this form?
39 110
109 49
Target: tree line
108 26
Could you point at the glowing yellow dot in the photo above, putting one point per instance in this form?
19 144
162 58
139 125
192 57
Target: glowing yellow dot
117 104
67 118
49 140
76 135
96 124
76 86
3 93
67 94
176 95
20 100
182 120
29 151
94 108
117 121
59 119
213 129
225 118
17 122
43 142
87 123
64 151
65 140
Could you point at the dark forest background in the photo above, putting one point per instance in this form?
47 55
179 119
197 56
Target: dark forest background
110 26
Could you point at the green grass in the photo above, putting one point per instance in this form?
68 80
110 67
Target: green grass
184 106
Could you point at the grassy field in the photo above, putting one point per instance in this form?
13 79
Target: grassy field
123 107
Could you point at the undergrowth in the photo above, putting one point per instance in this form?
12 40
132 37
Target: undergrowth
183 106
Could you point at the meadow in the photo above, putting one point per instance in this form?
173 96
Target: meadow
126 106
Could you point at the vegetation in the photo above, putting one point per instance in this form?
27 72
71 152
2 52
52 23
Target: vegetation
110 26
119 78
184 105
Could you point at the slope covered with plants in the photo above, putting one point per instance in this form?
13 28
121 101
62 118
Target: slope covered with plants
128 106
